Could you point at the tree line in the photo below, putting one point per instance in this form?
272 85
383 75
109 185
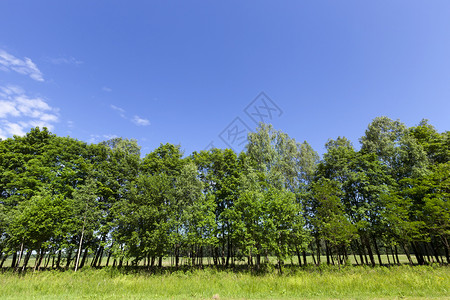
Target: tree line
65 200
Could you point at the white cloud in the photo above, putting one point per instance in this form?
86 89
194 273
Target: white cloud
96 138
117 108
107 89
136 119
64 61
140 122
24 66
19 112
8 129
120 110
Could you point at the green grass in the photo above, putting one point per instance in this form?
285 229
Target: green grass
312 283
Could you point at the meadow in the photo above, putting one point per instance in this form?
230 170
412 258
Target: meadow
324 282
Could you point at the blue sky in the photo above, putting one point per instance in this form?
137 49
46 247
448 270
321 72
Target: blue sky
193 72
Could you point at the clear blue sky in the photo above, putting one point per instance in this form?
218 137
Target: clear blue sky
183 71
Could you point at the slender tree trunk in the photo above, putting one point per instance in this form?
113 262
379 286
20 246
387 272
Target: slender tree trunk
280 266
47 261
362 255
447 256
177 258
14 259
429 257
434 251
79 247
3 260
405 248
83 260
376 250
228 248
27 258
53 260
95 258
99 261
314 259
109 257
387 255
418 254
20 256
69 258
396 254
338 259
345 254
369 251
327 251
318 250
305 262
38 261
354 253
298 256
58 261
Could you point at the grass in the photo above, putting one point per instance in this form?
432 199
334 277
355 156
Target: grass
311 283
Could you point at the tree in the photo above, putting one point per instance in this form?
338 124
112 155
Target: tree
87 214
330 220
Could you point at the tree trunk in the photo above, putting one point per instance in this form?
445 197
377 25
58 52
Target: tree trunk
369 251
298 256
27 258
69 258
3 260
228 250
327 251
418 254
396 254
83 260
318 250
354 253
99 261
430 258
376 250
20 256
434 251
109 257
14 259
38 261
79 248
58 261
362 254
387 255
405 248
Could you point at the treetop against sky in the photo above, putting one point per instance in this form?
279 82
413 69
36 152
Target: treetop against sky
203 74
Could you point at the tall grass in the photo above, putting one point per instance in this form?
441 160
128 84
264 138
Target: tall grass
325 282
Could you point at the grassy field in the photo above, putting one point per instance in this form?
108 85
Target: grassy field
311 283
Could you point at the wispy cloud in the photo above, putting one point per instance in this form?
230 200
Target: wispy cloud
140 121
97 138
64 61
23 66
20 112
121 111
136 119
106 89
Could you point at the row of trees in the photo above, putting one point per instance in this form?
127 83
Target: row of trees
65 200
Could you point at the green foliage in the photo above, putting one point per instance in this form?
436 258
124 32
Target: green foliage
62 198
